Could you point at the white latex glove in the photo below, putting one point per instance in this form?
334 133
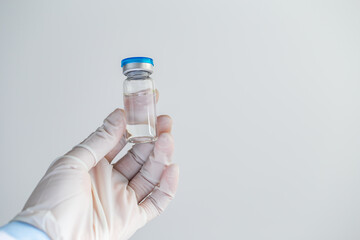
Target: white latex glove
84 196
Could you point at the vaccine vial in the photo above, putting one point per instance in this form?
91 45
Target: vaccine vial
139 99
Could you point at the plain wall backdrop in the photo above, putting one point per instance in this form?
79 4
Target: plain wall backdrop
264 97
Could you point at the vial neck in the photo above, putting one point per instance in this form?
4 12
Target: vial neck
138 74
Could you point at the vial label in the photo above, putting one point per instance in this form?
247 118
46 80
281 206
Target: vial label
140 116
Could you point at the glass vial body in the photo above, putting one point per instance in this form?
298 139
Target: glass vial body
140 107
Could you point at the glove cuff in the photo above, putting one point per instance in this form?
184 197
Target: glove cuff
43 220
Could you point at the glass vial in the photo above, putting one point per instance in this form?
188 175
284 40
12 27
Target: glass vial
139 99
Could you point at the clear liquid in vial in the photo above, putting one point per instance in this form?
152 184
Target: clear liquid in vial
140 116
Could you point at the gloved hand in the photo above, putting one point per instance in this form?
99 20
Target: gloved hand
84 196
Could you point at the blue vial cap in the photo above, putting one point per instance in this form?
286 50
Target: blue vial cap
137 60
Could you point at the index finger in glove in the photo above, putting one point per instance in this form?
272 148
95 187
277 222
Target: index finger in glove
100 142
132 162
120 145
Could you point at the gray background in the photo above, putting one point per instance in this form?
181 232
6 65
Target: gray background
264 97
